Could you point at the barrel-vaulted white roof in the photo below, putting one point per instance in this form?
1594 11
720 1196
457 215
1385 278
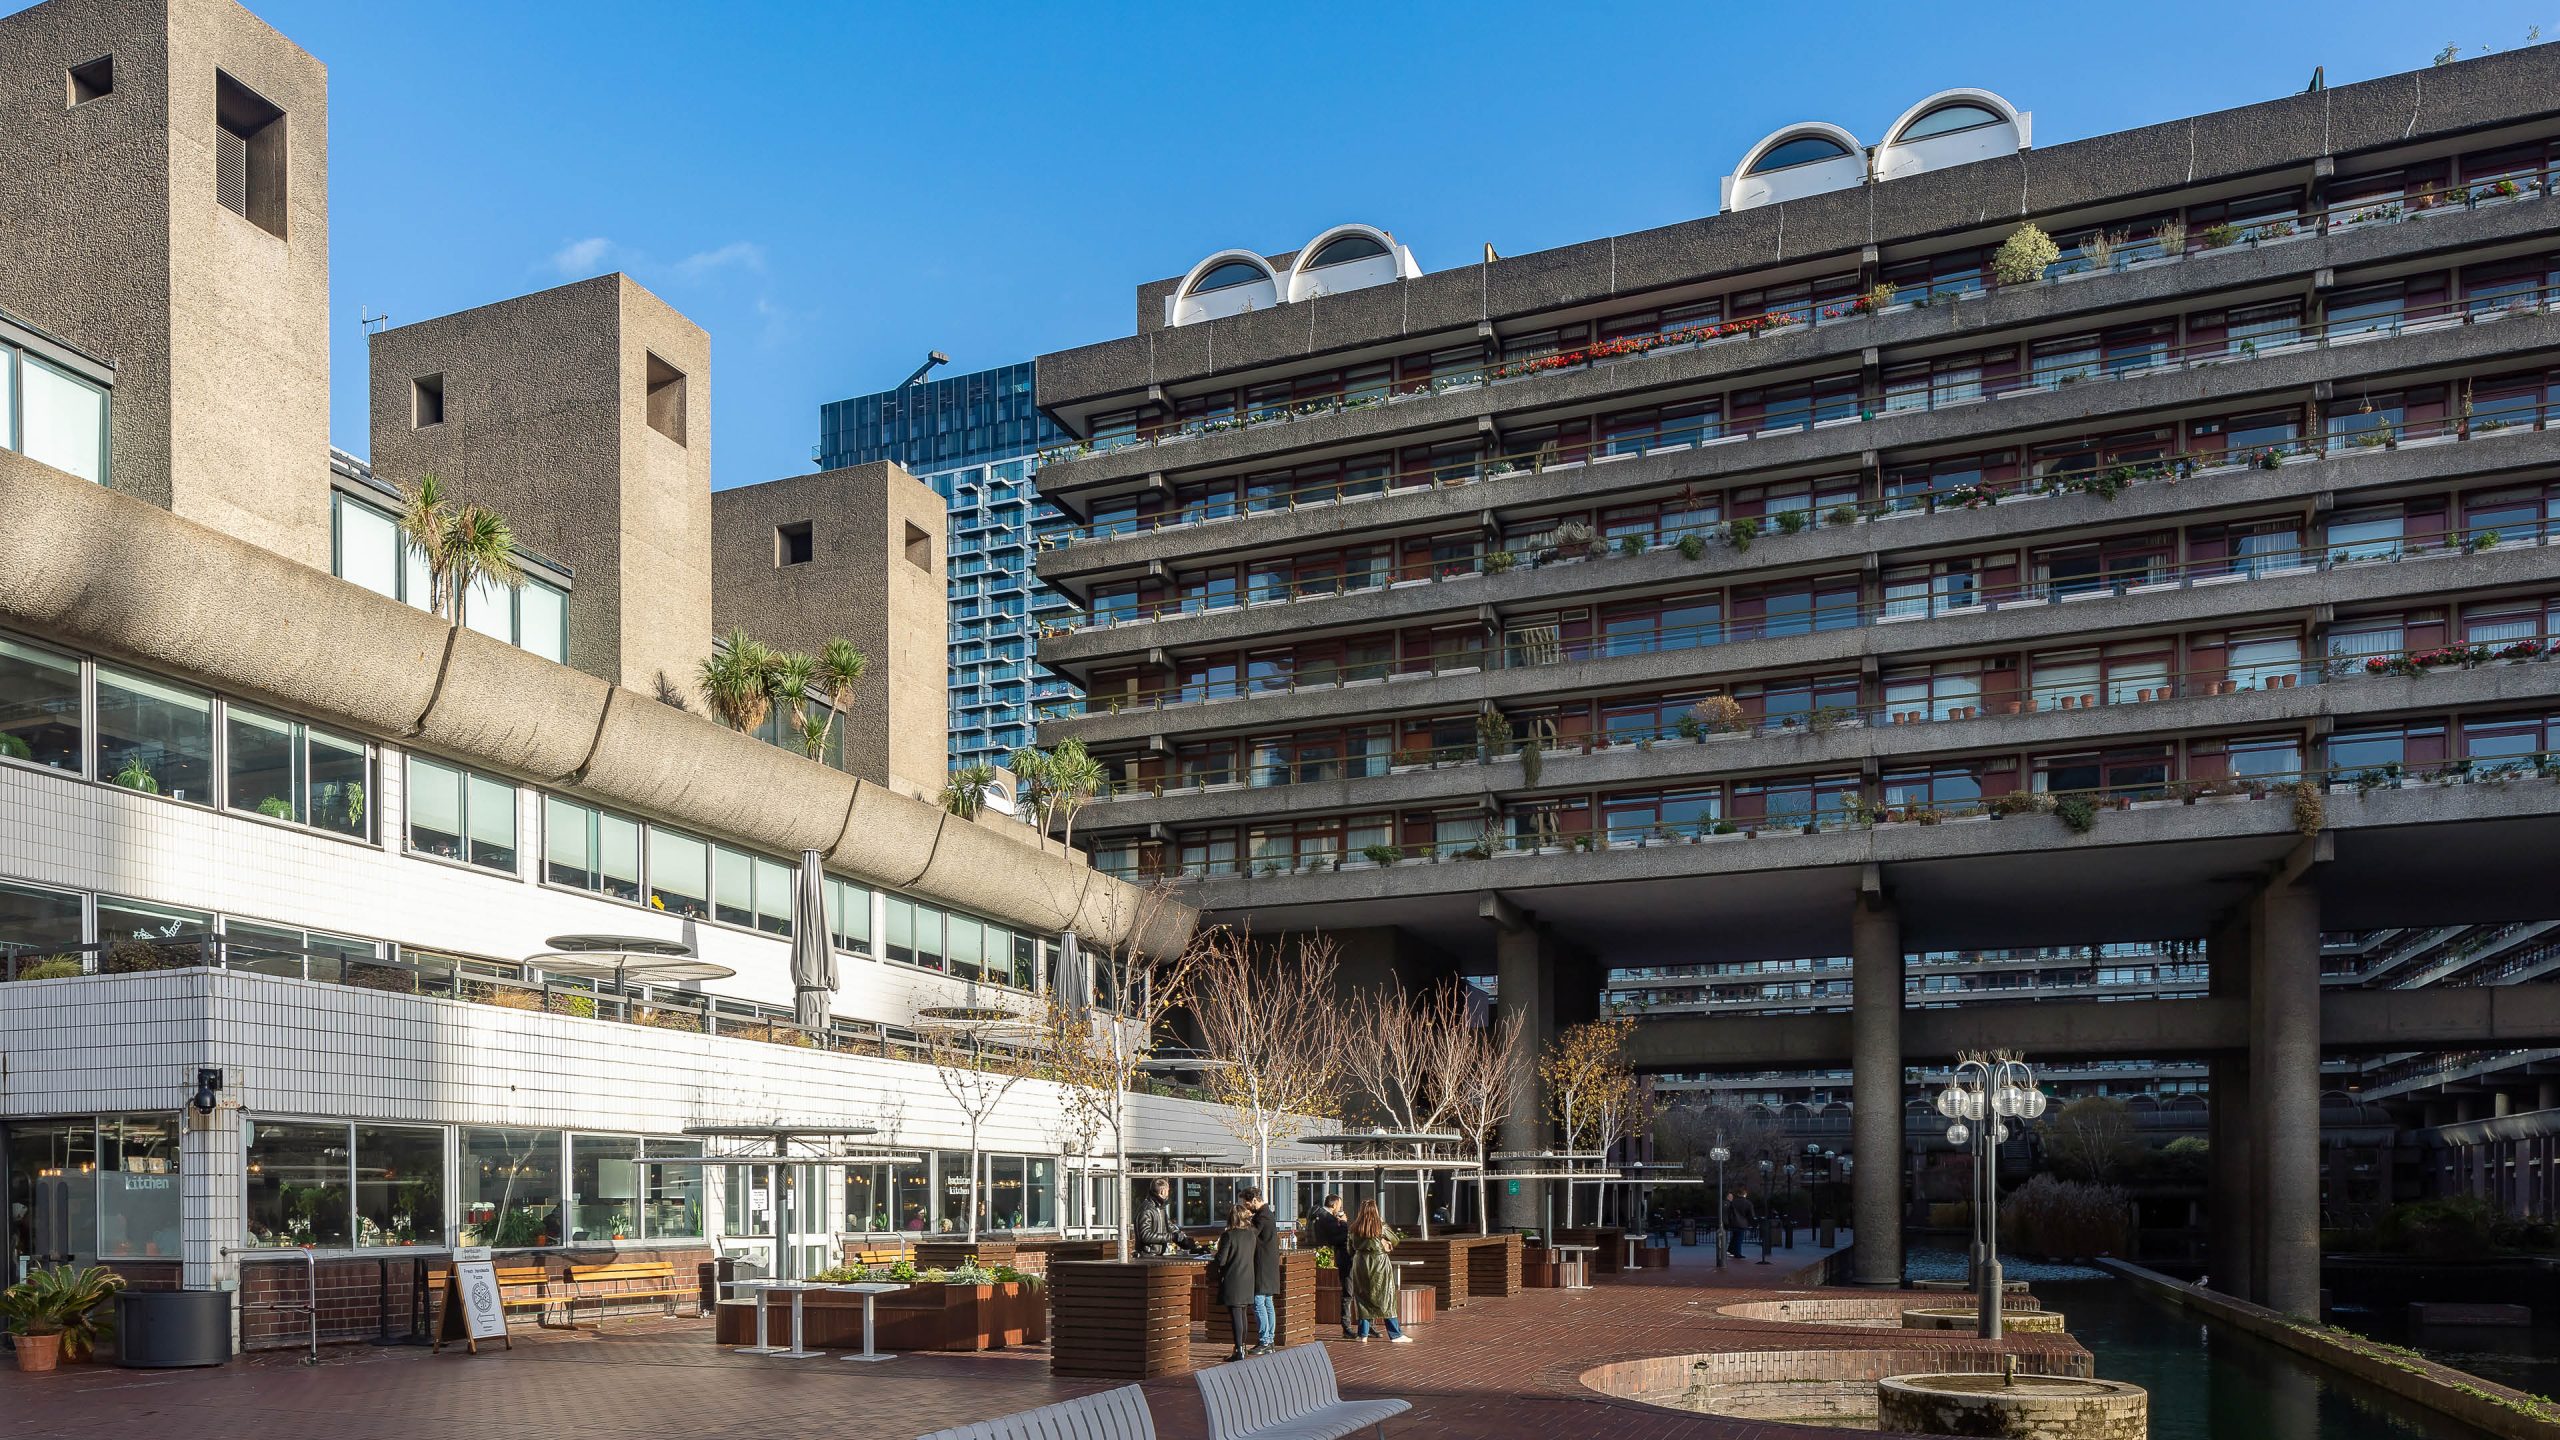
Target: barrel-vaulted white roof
1951 127
1343 257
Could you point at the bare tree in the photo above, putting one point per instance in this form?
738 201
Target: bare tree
2091 1138
1093 1052
976 1070
1276 1031
1483 1090
1407 1056
1589 1087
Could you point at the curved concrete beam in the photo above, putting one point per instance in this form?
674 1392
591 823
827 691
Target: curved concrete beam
660 760
546 726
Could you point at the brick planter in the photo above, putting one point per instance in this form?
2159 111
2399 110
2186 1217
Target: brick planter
1121 1320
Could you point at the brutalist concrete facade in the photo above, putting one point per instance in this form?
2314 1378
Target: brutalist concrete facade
582 414
1348 673
217 323
857 553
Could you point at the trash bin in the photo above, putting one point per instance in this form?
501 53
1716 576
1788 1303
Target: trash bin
170 1329
1688 1232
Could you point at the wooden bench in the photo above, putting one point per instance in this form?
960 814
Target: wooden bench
520 1287
602 1285
1287 1395
1120 1414
858 1252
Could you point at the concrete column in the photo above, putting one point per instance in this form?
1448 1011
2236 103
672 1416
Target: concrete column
2284 1073
1525 980
2501 1103
1875 1028
2547 1095
212 1203
2228 1240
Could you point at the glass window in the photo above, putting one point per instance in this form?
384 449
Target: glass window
508 1189
1946 120
399 1185
335 772
679 874
265 764
849 912
604 1186
489 816
775 883
671 1195
1228 276
39 705
154 737
965 945
149 937
542 611
435 808
1802 150
138 1186
368 545
53 1194
39 925
1346 250
298 1184
590 849
866 1197
490 609
63 420
902 929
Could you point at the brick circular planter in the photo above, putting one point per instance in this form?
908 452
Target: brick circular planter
2045 1407
2025 1322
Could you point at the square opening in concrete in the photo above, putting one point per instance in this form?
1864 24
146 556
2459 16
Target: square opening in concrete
793 544
919 547
248 155
93 81
666 399
426 401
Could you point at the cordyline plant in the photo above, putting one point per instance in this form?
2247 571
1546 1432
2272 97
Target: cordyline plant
1092 1048
463 545
744 679
1057 784
1591 1089
1276 1032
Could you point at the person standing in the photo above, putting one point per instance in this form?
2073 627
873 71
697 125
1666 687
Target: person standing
1330 1231
1371 1280
1158 1237
1266 1269
1737 1218
1232 1268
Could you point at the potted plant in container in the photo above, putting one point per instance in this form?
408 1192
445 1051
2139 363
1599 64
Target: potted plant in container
59 1313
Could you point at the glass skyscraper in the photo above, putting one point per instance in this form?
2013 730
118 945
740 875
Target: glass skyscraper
976 440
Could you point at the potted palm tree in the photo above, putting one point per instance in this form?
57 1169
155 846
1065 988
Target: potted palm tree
463 544
58 1313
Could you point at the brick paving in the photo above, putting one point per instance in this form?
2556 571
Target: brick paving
1497 1368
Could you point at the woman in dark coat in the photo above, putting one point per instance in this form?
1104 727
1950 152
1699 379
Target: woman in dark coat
1232 1271
1372 1281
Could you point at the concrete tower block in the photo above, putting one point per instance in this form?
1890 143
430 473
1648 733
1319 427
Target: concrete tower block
164 204
583 414
856 553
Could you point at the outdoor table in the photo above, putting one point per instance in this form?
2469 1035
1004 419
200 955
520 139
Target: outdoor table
869 1290
1633 1242
799 1294
760 1347
1577 1263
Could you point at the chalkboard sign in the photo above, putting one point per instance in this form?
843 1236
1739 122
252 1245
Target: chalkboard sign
474 1305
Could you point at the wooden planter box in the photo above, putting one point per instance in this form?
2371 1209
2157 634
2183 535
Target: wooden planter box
1414 1306
1295 1309
1493 1266
1653 1257
946 1254
1609 1244
921 1317
1121 1320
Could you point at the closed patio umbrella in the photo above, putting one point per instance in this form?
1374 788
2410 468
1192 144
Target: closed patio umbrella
813 949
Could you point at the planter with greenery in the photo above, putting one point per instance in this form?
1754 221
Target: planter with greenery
58 1313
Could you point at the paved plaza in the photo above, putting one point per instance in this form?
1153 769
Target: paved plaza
1495 1368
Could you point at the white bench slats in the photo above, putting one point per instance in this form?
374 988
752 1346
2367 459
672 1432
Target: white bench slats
1120 1414
1289 1395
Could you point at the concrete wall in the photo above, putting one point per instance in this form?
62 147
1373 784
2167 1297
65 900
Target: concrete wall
218 328
874 577
546 418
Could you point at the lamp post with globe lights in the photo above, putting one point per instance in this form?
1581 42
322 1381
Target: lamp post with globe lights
1723 1199
1985 1093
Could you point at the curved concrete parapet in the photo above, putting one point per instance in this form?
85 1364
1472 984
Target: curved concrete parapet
661 761
887 836
2044 1407
87 566
514 710
978 869
2023 1322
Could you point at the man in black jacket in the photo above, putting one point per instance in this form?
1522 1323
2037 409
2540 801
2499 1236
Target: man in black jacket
1157 1236
1266 1267
1331 1230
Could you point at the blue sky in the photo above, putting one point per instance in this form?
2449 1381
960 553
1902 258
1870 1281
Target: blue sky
832 190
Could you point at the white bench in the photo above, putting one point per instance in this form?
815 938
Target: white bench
1288 1395
1112 1415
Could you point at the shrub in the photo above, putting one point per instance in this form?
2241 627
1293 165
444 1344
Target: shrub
2456 1227
1743 531
1499 561
1718 714
1382 854
1691 547
2215 237
2064 1219
1841 515
1631 545
2022 258
1791 521
2078 812
2310 807
52 967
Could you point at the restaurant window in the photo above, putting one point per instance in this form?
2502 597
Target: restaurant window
154 737
679 874
53 1190
137 1186
39 706
458 815
671 1193
849 915
299 1179
286 770
399 1185
120 920
508 1190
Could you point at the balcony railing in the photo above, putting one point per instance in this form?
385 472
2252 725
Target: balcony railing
2080 809
2107 693
2200 242
1535 648
2105 480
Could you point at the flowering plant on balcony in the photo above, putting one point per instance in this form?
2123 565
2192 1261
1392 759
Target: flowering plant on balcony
2522 650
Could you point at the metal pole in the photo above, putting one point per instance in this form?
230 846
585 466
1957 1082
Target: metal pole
1721 1194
